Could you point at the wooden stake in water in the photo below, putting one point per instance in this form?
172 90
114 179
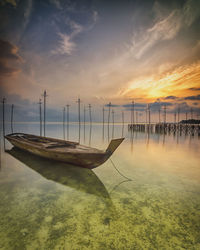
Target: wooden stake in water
132 112
64 123
90 115
11 122
122 123
164 114
159 114
191 111
45 95
40 112
79 118
146 112
149 113
109 105
186 117
113 120
3 113
84 112
136 117
175 117
67 121
103 121
178 118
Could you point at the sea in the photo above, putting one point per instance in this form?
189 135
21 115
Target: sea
146 196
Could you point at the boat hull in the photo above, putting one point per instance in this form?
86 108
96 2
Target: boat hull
87 160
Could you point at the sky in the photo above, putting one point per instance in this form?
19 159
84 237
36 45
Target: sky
101 51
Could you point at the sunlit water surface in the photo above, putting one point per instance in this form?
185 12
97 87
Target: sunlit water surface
48 205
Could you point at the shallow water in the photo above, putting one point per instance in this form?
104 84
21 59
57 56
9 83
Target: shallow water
47 205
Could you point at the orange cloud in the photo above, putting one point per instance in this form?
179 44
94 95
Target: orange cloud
178 82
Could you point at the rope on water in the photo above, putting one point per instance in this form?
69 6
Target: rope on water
116 186
119 171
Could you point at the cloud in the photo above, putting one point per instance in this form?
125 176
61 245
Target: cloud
6 70
170 97
66 45
95 16
194 89
9 59
193 97
112 105
8 51
56 3
183 107
138 105
191 11
161 85
161 104
165 27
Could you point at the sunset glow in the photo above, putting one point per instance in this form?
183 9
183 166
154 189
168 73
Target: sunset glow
103 52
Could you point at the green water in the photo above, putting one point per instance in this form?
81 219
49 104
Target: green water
48 205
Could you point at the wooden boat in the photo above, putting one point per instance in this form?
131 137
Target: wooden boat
61 150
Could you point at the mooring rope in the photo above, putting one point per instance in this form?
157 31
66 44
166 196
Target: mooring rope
119 171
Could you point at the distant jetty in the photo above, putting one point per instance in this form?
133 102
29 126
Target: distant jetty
190 121
167 127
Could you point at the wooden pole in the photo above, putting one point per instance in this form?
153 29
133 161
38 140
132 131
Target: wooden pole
132 112
11 123
3 106
159 114
175 117
122 123
84 111
64 123
136 117
178 114
149 114
90 113
103 121
186 117
67 121
191 111
45 95
109 105
40 112
113 120
146 112
79 118
164 114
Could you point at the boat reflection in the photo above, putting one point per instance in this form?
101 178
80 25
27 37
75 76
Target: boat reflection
81 179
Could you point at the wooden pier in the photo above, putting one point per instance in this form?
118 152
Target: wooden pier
165 127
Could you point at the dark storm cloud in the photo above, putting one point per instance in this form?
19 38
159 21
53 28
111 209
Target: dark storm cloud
170 97
8 50
9 58
138 105
183 107
112 105
6 70
193 98
194 89
156 105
